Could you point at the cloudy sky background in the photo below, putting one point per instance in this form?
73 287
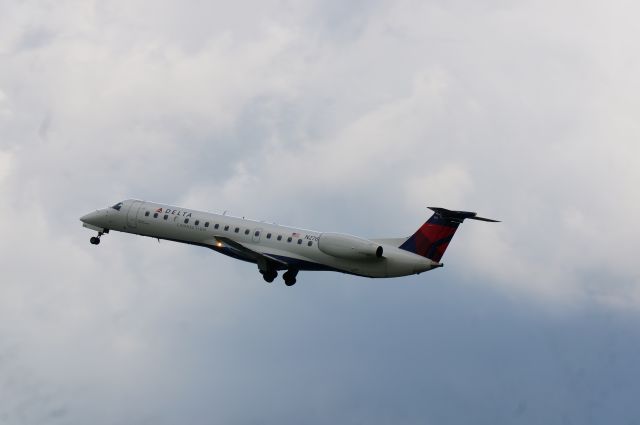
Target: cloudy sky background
341 116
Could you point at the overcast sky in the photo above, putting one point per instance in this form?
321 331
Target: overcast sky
336 116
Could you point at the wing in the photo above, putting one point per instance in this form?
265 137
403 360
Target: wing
263 260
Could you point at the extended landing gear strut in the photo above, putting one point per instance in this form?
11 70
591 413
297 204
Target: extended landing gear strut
269 275
95 240
290 277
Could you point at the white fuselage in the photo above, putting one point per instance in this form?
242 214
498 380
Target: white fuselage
296 247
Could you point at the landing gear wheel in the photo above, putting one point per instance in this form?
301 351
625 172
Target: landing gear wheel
269 276
290 277
94 240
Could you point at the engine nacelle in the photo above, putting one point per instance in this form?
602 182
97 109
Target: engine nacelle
347 246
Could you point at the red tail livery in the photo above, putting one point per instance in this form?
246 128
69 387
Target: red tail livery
432 239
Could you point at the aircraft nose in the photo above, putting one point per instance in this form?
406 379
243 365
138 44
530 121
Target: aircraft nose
91 218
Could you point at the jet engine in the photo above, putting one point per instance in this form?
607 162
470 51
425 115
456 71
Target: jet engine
347 246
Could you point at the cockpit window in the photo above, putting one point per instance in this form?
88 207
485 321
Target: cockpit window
117 206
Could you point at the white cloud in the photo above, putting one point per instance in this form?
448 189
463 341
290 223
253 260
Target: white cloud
351 118
5 165
446 184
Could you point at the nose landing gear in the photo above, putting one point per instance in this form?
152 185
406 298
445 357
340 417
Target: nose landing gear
95 240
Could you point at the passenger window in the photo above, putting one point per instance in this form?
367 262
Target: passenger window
186 220
268 235
279 237
237 229
226 228
146 214
246 232
299 241
289 239
309 243
155 215
166 216
216 226
206 224
257 233
197 222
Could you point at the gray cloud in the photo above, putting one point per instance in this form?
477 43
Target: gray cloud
331 116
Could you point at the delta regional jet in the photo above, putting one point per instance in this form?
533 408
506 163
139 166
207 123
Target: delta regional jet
279 248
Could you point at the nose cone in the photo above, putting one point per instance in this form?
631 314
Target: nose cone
94 218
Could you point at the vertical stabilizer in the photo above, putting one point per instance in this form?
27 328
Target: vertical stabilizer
432 239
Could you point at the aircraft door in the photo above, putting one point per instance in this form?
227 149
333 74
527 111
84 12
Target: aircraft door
132 214
256 235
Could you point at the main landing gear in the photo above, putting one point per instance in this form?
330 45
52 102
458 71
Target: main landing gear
95 240
269 275
290 277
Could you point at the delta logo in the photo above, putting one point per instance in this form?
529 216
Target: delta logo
175 212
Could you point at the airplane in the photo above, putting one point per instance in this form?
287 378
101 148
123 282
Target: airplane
277 248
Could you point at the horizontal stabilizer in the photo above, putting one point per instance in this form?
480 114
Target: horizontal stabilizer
459 216
490 220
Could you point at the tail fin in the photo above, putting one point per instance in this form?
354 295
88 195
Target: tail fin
432 239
